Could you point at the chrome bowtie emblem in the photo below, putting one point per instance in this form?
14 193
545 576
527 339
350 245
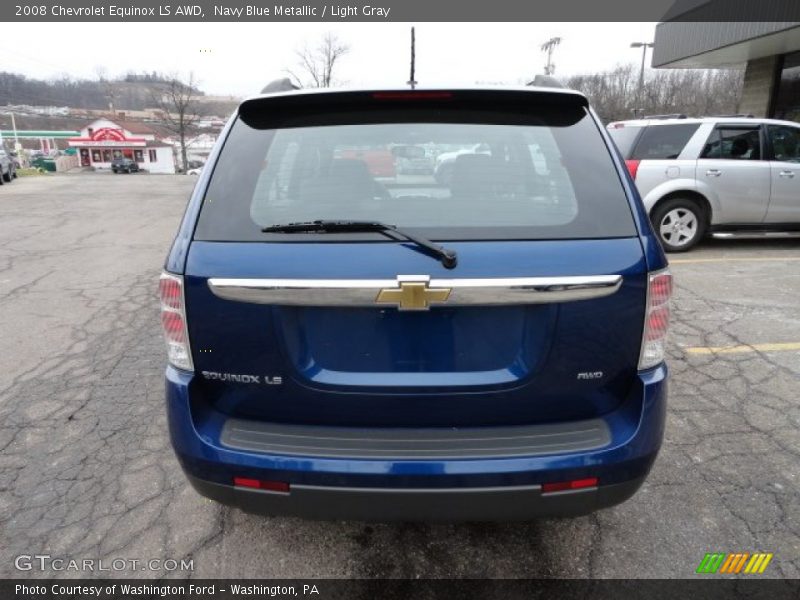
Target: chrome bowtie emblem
412 293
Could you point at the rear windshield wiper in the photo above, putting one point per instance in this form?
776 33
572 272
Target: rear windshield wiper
448 257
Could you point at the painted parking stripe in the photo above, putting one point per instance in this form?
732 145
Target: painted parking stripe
688 261
779 347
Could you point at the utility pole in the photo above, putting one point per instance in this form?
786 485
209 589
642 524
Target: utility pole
548 47
110 96
644 46
413 82
14 128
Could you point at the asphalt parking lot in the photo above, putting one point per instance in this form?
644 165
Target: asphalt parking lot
86 470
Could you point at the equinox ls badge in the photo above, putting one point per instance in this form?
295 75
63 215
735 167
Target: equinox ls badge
412 293
237 378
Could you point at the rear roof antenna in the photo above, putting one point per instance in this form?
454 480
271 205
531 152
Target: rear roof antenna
412 82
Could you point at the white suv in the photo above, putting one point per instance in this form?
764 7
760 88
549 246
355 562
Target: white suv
720 175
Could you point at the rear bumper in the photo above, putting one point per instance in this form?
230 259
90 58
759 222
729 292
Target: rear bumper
419 504
381 486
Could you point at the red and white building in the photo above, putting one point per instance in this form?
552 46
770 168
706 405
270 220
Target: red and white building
104 140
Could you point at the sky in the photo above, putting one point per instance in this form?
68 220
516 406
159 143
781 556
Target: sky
240 58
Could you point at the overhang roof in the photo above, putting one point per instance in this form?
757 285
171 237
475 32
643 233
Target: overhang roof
692 45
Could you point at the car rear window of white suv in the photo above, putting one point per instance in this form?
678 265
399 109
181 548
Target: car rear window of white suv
547 175
656 142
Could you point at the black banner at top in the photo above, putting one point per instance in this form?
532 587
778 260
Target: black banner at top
398 10
401 589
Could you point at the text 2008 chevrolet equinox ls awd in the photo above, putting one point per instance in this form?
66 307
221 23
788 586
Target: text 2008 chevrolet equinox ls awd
347 341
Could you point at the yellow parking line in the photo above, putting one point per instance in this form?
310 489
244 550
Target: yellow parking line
779 347
686 261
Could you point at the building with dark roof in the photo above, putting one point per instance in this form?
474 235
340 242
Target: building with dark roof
769 52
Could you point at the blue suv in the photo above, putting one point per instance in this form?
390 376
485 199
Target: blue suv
347 340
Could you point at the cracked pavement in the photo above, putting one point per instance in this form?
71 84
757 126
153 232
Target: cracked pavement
86 470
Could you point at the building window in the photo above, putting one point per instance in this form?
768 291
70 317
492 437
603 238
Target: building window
106 155
152 154
787 98
96 156
138 156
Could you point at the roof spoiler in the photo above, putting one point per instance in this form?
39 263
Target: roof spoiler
314 106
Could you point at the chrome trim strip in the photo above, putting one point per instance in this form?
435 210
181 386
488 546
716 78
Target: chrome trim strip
755 235
465 292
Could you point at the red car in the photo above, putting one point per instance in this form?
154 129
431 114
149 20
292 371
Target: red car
380 161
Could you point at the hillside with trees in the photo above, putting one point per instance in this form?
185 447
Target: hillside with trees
133 91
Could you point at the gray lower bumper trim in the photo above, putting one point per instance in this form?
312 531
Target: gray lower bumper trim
419 504
423 444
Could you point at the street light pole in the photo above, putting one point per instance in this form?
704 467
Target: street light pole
14 128
548 47
644 46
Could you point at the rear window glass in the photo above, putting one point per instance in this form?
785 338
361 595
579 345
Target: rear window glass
447 174
624 138
663 141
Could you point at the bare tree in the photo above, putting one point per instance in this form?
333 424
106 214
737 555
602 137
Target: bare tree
177 101
108 87
315 66
694 92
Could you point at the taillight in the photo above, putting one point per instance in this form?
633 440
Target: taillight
656 321
633 167
173 321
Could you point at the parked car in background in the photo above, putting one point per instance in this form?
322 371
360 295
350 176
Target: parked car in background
195 171
342 345
445 162
412 160
124 164
727 176
8 166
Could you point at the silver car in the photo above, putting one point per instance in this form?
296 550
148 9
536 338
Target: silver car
8 168
727 176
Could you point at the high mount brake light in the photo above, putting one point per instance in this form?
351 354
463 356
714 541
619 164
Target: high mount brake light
173 321
656 321
412 95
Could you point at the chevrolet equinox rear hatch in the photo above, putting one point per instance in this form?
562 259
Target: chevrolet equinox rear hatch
318 289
